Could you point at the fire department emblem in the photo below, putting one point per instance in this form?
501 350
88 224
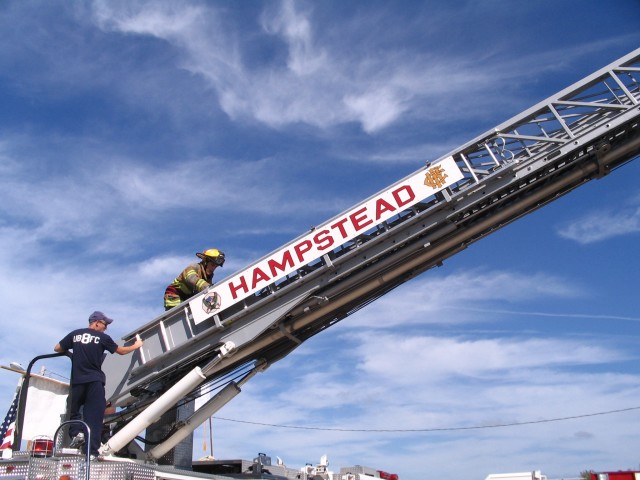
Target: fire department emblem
211 302
435 177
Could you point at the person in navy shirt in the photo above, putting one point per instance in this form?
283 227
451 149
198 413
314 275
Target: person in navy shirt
87 378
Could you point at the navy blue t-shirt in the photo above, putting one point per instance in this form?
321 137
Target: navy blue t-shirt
88 347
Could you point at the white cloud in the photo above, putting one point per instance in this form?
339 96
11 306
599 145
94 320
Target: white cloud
305 57
160 19
602 225
377 108
321 83
427 299
113 201
450 388
405 357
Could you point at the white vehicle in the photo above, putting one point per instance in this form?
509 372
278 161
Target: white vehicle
534 475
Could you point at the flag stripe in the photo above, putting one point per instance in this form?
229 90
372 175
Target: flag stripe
8 425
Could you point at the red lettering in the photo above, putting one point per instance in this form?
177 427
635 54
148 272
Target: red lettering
258 276
340 225
410 193
360 221
383 206
234 289
302 248
323 239
274 266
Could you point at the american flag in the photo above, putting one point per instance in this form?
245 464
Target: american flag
8 426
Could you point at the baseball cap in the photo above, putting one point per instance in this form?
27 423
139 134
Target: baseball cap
99 317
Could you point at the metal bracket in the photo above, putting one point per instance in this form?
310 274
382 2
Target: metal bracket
288 335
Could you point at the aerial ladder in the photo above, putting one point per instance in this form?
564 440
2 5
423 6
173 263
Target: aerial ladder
255 317
243 324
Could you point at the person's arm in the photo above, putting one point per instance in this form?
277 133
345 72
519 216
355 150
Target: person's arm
124 350
194 281
64 345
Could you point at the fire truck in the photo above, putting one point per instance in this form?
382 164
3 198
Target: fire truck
222 337
620 475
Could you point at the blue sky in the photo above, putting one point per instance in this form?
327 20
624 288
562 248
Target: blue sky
133 134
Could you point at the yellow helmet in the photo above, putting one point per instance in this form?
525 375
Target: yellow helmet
213 255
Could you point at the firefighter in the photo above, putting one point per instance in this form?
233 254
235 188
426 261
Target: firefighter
193 279
89 345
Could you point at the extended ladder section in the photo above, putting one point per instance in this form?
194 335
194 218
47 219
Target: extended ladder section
262 313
